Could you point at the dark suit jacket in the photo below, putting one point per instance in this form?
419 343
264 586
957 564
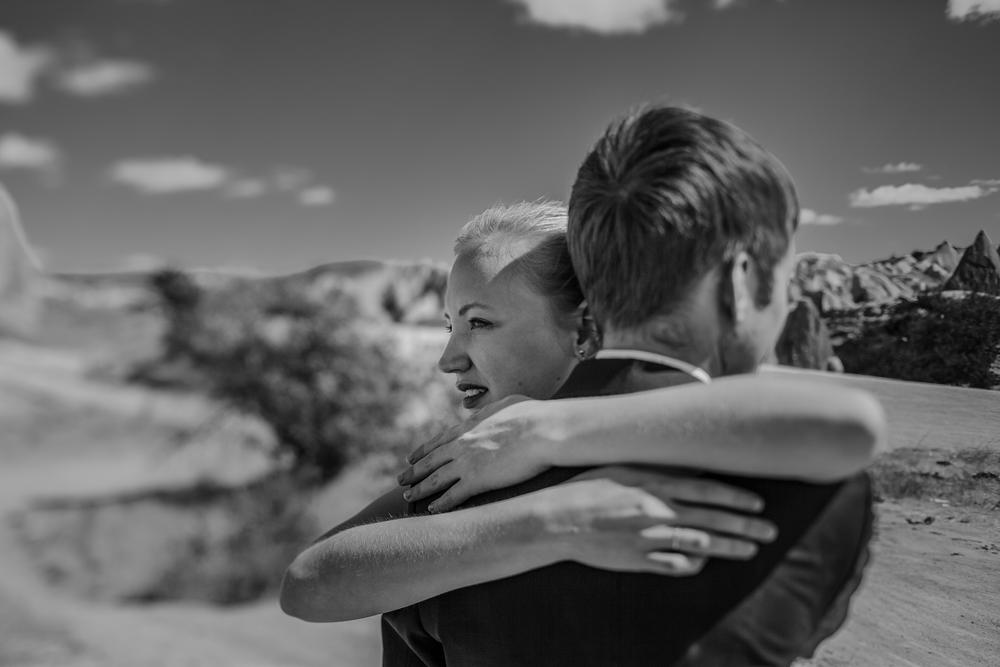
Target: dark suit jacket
765 611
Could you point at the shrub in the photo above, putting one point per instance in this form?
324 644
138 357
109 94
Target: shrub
327 382
935 338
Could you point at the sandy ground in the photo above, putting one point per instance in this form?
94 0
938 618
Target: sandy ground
931 596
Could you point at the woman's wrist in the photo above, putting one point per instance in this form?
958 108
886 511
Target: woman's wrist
543 529
544 429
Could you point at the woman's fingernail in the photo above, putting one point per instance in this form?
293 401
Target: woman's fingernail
407 495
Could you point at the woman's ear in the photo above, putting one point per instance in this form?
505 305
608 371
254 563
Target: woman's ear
588 335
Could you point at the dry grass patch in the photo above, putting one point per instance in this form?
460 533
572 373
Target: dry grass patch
963 478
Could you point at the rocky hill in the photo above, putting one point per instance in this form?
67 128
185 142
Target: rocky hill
846 299
979 270
842 298
19 275
834 285
404 292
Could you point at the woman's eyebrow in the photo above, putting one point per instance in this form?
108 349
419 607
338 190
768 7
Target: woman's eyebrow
475 304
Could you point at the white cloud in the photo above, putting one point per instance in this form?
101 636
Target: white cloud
807 216
103 77
973 10
287 178
318 195
20 67
917 196
170 175
897 168
167 175
245 188
20 152
606 17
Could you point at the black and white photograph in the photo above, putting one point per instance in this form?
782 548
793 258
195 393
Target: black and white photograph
499 333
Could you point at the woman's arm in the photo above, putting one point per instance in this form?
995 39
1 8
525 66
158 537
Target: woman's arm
374 563
773 426
378 560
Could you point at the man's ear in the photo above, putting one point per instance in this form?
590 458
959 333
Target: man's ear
739 284
588 335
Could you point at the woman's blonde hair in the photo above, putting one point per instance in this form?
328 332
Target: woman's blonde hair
546 266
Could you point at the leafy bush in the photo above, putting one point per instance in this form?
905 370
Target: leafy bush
935 338
327 382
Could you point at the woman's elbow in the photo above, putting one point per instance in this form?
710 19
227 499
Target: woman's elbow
302 597
309 596
295 598
863 435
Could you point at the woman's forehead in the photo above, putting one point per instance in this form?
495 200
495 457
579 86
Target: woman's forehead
487 277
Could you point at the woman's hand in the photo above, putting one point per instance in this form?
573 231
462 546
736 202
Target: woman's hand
632 519
481 454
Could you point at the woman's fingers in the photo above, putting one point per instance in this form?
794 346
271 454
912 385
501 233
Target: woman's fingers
736 525
441 438
696 490
675 564
424 467
697 542
456 494
703 491
437 481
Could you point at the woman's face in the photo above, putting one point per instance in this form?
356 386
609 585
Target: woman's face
504 338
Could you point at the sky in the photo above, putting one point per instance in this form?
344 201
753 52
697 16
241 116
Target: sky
277 135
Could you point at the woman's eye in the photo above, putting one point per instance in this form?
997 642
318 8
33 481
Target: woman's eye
476 323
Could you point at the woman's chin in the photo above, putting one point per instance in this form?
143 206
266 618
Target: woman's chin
477 402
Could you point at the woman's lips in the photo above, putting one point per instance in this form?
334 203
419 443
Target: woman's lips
473 395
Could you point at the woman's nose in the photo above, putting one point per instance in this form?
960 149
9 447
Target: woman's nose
453 359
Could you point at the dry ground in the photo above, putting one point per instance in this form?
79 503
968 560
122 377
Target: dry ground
931 596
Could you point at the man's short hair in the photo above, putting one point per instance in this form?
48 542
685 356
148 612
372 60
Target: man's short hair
666 195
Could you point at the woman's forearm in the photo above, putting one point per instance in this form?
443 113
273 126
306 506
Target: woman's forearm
377 567
749 425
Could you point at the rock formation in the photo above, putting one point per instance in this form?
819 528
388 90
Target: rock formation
836 287
805 340
827 280
940 263
873 286
978 270
20 277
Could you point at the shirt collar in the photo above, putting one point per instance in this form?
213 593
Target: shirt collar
696 372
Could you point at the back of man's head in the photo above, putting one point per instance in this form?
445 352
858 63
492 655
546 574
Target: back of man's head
664 197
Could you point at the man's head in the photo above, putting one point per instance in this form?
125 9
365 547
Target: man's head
670 204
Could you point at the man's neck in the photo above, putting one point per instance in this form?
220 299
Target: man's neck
702 352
